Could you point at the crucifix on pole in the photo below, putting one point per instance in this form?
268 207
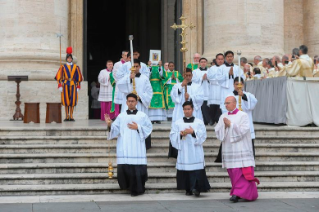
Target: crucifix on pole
183 26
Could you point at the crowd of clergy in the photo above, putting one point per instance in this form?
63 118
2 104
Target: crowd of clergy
202 96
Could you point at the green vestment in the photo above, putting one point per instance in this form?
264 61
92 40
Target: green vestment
168 87
157 101
192 66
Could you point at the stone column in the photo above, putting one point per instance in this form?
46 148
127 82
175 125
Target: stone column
29 46
255 27
294 35
311 29
193 10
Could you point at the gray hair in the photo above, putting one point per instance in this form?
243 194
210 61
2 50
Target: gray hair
285 57
259 58
277 58
243 59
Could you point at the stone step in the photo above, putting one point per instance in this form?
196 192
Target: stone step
74 189
95 140
209 147
151 157
168 167
158 130
100 178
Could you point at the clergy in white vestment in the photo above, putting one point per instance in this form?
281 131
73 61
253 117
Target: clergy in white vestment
179 96
142 84
188 135
302 66
200 77
248 104
126 68
233 131
194 93
131 128
215 89
106 95
143 88
119 96
227 74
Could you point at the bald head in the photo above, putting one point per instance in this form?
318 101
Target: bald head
196 58
230 103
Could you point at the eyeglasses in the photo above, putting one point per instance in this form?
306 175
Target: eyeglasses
227 103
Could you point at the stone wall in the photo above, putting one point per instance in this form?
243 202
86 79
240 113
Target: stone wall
29 46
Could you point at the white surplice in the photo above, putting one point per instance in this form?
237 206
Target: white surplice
247 107
237 151
214 87
143 88
190 149
130 147
118 96
196 94
106 88
227 82
198 78
126 69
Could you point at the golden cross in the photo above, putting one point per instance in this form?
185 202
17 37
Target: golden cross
183 26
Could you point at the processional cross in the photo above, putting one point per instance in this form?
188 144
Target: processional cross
183 26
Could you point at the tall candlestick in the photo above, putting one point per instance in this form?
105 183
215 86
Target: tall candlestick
239 72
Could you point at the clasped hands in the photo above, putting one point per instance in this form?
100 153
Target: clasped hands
189 130
227 122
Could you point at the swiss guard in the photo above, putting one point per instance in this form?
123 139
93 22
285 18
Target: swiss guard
69 78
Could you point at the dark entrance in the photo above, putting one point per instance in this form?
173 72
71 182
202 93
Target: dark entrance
109 23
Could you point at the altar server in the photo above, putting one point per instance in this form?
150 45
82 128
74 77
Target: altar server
131 128
194 93
188 135
118 96
200 77
227 75
214 97
237 154
170 78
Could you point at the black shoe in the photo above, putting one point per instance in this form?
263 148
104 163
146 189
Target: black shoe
71 120
134 195
189 193
66 119
158 122
234 199
197 193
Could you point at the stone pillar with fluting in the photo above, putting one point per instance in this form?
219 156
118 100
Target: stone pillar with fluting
311 29
29 46
255 27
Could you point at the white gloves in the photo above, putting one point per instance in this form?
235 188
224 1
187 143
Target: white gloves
60 89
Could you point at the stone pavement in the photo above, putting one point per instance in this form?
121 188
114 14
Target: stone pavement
210 202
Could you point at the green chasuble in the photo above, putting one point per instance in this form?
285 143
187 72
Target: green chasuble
168 87
157 101
192 66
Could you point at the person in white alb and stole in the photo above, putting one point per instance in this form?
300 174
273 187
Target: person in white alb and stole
131 128
233 131
188 135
